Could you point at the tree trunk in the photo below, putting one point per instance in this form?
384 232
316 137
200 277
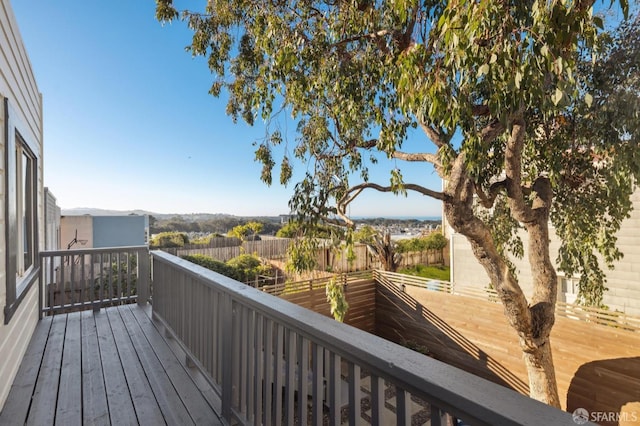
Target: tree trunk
542 378
532 321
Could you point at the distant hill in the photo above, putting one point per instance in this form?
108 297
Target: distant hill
79 211
189 217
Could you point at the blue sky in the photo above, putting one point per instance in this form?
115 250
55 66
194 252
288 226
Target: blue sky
129 124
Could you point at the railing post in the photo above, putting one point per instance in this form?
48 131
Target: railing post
226 317
143 277
41 285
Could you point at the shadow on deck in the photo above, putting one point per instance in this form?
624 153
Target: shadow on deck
110 367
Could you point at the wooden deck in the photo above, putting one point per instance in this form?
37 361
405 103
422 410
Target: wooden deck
110 367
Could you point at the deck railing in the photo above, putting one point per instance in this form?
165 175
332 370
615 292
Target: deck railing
275 363
92 278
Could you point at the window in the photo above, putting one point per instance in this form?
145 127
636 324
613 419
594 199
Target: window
20 205
26 204
568 288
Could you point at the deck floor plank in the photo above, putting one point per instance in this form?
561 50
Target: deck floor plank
19 399
45 395
95 411
200 410
144 401
68 408
119 400
172 407
111 367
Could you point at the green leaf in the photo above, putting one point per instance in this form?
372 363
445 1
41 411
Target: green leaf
544 50
518 79
557 96
588 99
484 69
559 65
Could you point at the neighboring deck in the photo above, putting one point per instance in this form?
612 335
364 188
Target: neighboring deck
109 367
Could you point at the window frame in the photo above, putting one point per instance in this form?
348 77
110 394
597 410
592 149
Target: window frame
19 278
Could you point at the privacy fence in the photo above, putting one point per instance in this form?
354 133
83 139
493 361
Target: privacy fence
268 249
359 288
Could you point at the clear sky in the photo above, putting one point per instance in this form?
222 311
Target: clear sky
129 124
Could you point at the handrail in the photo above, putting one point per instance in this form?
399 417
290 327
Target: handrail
91 278
245 339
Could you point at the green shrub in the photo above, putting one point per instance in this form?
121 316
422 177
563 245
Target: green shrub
248 267
244 268
169 240
434 241
212 264
205 241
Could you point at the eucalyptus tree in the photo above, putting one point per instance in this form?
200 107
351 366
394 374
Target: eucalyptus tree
494 90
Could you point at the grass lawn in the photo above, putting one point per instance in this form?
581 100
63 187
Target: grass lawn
435 272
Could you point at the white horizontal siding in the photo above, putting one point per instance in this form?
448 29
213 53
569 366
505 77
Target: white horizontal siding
14 340
623 281
18 85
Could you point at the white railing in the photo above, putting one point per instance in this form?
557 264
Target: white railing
273 362
92 278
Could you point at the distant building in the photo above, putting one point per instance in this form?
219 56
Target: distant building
82 232
51 221
286 218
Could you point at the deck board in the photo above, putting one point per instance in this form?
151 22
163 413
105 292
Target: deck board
95 410
144 402
19 398
170 404
111 367
68 411
45 396
193 399
118 397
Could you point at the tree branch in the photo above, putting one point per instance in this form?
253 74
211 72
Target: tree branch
513 171
491 131
487 200
376 36
433 134
421 156
353 192
417 156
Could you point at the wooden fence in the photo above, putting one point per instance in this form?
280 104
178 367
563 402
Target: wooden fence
597 366
310 294
328 259
266 249
568 310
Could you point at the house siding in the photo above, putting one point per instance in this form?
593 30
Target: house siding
18 85
623 281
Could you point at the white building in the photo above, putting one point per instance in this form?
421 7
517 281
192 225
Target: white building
623 282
